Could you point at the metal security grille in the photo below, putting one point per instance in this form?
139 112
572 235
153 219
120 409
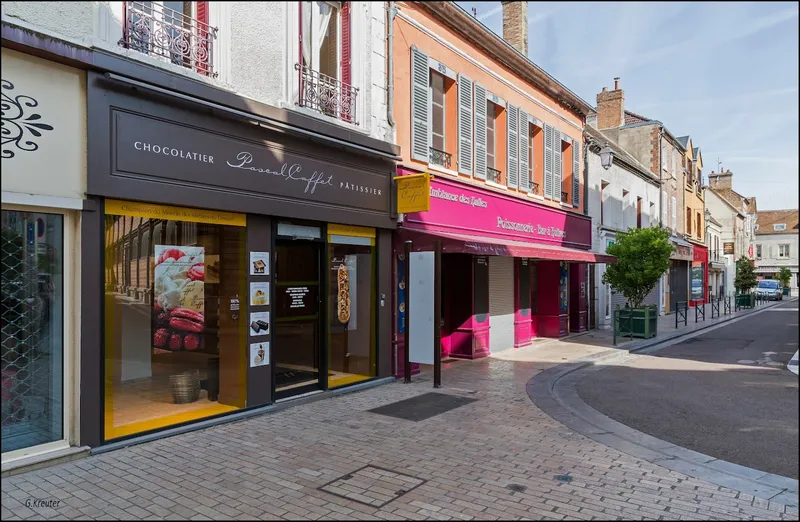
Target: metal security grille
27 362
501 303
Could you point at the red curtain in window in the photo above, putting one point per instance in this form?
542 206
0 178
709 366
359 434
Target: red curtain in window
204 37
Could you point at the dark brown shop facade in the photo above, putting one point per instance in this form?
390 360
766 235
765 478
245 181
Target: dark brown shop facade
231 259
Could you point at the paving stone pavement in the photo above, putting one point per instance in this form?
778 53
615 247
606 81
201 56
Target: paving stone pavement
492 459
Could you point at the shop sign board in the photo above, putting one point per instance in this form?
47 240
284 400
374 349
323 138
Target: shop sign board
727 247
413 193
458 207
157 150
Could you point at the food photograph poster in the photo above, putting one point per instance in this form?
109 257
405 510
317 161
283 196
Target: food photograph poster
179 298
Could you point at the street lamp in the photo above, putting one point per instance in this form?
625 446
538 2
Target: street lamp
606 157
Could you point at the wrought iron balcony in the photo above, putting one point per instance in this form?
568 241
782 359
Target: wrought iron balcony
441 158
327 95
493 175
169 35
535 188
565 197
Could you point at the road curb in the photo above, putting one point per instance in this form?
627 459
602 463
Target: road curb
553 391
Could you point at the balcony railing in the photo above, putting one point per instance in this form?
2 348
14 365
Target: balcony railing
565 197
169 35
327 95
441 158
535 188
493 175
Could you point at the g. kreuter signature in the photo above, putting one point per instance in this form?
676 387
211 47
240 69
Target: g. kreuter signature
287 172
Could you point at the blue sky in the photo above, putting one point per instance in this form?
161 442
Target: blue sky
724 73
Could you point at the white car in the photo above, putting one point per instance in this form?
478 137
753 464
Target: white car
769 289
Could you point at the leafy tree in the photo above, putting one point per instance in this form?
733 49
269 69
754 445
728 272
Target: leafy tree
642 258
745 275
785 276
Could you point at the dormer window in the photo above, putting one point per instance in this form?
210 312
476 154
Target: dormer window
779 227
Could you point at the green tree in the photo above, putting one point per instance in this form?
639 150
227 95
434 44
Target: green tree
642 258
785 276
745 275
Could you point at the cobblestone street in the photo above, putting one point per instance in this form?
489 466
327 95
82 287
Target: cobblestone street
497 458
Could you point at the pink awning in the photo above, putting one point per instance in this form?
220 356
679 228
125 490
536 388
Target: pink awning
487 246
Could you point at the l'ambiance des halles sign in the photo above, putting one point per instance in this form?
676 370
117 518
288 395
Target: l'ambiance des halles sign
173 151
502 223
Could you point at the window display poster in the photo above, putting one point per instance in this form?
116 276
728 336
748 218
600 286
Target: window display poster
344 271
179 298
697 281
564 286
259 263
259 294
259 323
212 269
259 354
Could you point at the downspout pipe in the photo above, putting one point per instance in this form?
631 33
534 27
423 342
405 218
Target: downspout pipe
391 12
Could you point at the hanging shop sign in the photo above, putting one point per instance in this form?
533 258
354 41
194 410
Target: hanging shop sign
727 248
413 193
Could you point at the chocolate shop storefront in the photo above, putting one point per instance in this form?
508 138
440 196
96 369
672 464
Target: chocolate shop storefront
239 260
512 270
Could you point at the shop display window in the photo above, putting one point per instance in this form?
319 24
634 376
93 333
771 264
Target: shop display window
175 316
32 330
351 310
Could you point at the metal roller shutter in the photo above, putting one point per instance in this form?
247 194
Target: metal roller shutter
652 298
501 303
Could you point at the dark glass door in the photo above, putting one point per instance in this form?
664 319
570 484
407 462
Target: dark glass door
298 365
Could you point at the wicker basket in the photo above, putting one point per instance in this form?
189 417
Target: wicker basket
185 386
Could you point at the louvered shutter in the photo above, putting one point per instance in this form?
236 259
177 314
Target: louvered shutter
548 161
524 130
512 157
464 125
420 106
674 214
346 51
664 209
576 172
204 37
480 132
557 188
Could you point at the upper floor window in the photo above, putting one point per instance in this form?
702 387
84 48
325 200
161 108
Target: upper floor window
325 61
536 159
699 225
439 153
758 251
779 227
175 32
688 221
783 250
491 134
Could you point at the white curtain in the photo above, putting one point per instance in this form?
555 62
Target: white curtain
316 16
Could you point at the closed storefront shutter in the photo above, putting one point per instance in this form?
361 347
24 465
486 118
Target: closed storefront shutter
619 299
501 303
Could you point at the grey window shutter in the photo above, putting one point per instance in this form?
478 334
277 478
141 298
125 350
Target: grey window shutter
420 106
524 130
548 161
512 157
480 132
576 172
464 125
557 188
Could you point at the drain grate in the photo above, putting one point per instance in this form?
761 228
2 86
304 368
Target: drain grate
562 478
372 486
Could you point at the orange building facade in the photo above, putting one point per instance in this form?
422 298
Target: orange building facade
504 141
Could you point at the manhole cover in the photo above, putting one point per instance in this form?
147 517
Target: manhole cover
423 406
517 488
562 478
372 486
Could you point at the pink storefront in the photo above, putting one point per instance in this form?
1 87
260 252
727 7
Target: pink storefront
512 270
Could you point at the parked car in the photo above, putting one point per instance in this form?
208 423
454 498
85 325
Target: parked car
769 289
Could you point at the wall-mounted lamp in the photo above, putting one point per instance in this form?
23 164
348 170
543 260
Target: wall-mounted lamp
606 157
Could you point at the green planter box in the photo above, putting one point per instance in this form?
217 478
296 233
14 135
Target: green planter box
636 322
746 300
787 291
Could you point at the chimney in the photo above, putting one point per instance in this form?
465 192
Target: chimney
515 25
721 180
611 107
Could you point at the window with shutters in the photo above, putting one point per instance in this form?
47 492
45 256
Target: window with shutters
758 251
674 214
603 197
664 209
491 143
566 172
176 32
325 65
699 229
439 154
688 221
638 212
536 160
